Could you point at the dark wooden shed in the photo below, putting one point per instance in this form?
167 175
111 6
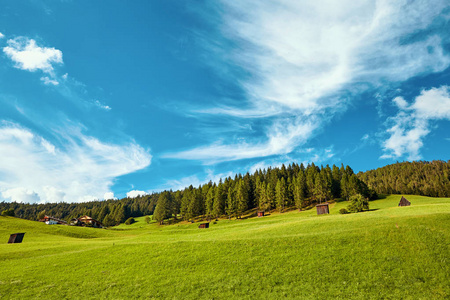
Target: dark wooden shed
404 202
260 214
322 209
203 225
16 238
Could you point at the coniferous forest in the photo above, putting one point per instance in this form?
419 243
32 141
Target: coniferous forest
294 186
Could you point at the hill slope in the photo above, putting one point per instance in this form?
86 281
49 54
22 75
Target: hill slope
388 252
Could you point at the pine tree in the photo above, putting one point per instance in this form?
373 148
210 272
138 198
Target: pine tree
231 203
209 202
281 194
300 190
264 202
162 210
241 197
219 200
270 195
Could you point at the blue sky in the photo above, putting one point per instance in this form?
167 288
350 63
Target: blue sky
104 99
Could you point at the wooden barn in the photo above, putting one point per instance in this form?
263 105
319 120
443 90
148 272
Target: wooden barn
52 221
404 202
260 214
322 208
16 238
88 221
203 225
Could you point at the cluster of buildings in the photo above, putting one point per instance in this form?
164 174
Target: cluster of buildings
85 221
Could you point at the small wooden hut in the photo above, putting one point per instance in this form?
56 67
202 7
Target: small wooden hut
260 214
404 202
16 238
203 225
322 208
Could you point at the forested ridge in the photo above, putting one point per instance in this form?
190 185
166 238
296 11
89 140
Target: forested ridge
294 186
417 178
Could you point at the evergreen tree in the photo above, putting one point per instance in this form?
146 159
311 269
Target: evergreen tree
162 210
270 195
231 203
219 200
241 197
281 194
209 202
336 182
300 190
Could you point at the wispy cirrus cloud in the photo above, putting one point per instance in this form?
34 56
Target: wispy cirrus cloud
413 122
306 60
80 168
282 137
48 81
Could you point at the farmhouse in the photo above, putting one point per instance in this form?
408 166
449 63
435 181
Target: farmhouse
86 221
52 221
404 202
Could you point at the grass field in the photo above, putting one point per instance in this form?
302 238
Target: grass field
389 252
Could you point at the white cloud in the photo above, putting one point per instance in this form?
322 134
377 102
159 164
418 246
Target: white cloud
400 102
109 195
136 193
48 81
21 195
412 124
102 106
1 35
305 57
433 103
27 55
405 137
81 168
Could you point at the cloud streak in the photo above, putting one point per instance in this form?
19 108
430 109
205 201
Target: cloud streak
81 168
307 60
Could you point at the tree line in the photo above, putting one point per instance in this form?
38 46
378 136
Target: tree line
283 188
272 188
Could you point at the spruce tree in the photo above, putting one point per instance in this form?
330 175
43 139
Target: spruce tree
231 203
300 190
209 202
281 194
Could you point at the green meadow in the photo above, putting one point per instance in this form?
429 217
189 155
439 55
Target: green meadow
388 252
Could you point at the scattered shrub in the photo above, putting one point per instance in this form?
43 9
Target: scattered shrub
343 211
358 203
147 219
130 221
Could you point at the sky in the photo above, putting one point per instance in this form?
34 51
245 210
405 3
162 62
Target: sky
112 99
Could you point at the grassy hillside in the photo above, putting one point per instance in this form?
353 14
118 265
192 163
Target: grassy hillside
388 252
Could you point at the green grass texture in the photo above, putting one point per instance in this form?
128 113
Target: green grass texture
389 252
